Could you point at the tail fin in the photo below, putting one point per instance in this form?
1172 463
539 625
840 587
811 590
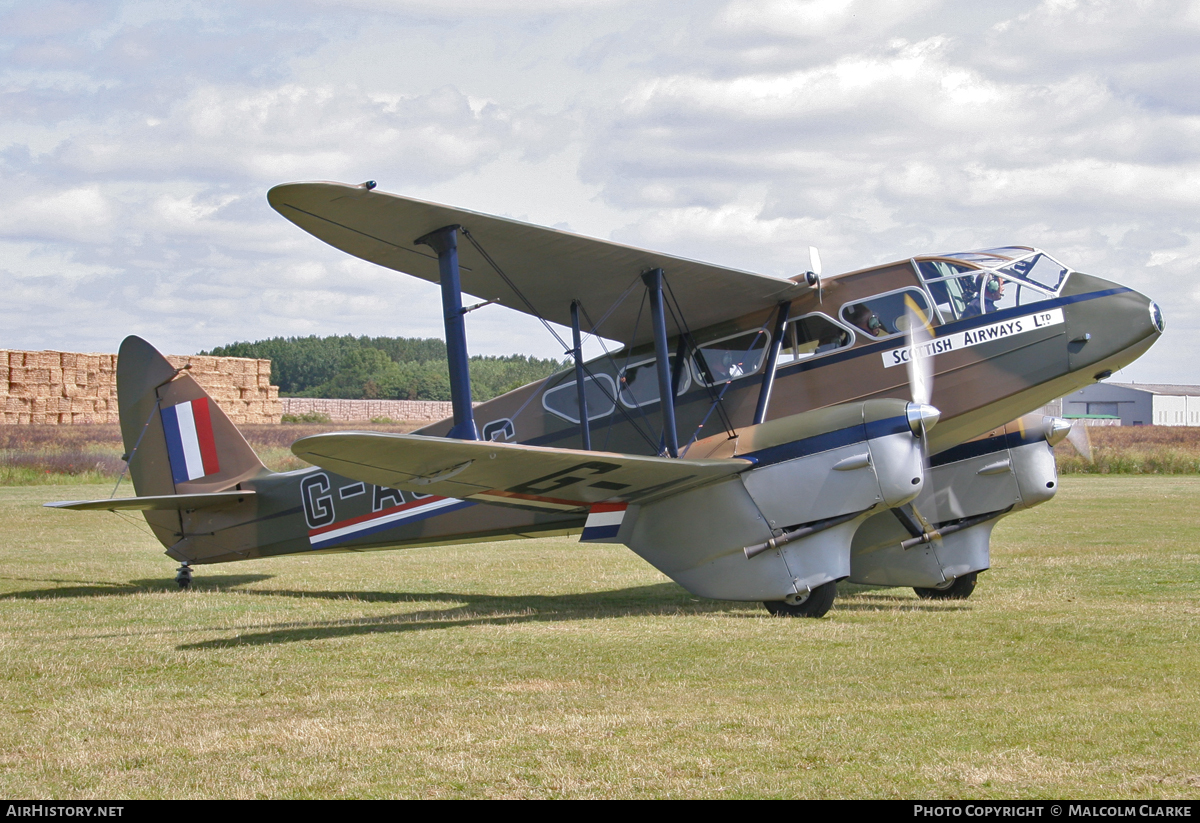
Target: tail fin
177 440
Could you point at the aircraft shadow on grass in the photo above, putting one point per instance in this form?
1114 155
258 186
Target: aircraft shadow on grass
107 588
498 610
471 609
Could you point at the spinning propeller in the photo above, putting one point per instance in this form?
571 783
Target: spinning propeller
813 275
1081 439
921 415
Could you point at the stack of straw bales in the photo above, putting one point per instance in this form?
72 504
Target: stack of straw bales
65 387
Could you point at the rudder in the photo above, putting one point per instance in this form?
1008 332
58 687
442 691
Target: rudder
177 439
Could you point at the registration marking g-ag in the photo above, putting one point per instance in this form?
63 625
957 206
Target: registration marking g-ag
966 339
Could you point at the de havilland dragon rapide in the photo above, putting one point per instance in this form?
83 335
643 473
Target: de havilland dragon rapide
753 438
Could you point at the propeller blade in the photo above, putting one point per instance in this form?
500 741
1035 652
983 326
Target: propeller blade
814 260
920 365
1081 439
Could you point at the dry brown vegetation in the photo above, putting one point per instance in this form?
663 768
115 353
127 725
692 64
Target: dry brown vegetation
35 455
1135 450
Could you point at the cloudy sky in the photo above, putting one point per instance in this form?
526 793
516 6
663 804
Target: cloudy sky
138 140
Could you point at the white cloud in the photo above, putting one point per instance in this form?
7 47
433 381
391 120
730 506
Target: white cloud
140 138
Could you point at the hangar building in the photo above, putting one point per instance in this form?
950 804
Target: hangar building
1137 404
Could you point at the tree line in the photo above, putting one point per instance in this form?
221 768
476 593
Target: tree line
400 368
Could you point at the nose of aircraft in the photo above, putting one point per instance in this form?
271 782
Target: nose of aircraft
1108 325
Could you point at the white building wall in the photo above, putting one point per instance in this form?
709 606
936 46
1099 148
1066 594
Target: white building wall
1171 410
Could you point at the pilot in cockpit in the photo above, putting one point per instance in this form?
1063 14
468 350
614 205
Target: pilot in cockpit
991 292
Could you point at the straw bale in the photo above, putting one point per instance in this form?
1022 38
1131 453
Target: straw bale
56 376
69 359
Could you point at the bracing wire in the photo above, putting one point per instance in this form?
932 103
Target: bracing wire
121 476
532 310
617 371
516 290
714 395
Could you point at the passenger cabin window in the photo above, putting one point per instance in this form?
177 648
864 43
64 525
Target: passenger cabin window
812 335
563 401
639 383
731 357
886 315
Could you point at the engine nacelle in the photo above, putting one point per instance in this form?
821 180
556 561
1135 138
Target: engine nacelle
818 473
1006 471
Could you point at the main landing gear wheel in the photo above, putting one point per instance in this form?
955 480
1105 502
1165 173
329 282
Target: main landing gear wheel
817 603
183 576
959 588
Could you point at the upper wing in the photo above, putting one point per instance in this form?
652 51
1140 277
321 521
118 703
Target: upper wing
506 473
550 267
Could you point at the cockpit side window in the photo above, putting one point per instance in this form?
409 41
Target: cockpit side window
812 335
947 287
886 315
962 290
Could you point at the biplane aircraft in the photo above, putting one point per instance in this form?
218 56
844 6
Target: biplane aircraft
753 438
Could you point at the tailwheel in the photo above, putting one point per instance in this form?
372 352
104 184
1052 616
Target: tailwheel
183 576
959 588
817 603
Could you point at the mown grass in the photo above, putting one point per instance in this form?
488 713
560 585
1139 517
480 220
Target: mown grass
550 669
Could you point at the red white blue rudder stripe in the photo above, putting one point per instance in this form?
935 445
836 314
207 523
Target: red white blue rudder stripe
191 446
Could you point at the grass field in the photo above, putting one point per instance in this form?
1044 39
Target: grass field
547 669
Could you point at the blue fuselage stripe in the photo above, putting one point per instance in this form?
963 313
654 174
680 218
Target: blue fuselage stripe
952 327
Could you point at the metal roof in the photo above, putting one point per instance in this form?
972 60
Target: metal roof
1161 388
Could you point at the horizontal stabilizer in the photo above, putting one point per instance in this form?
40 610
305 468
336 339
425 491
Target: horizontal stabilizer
164 502
507 473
